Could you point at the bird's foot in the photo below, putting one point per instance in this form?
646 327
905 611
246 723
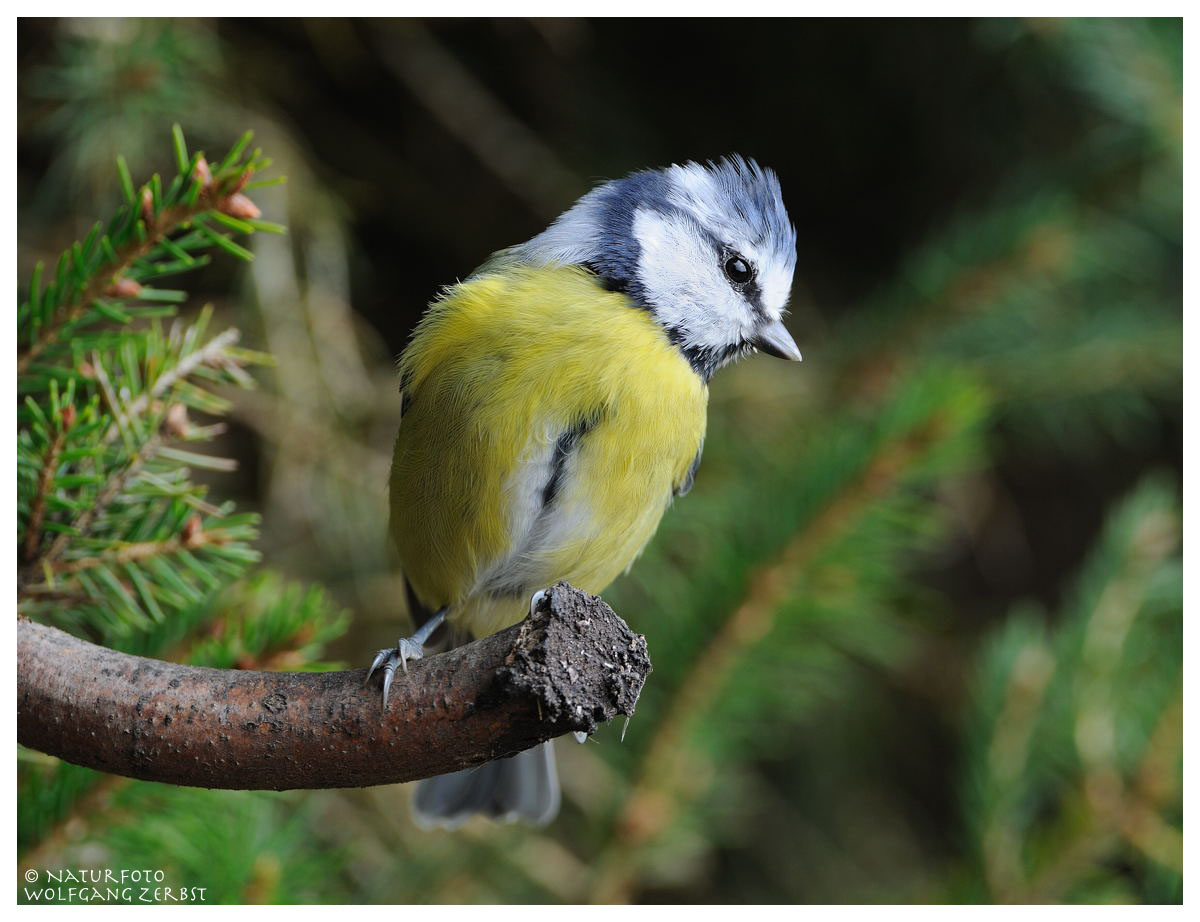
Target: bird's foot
407 648
393 657
535 600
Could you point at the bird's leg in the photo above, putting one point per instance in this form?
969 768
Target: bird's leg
406 648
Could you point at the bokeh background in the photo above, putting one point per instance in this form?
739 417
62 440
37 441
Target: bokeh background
916 631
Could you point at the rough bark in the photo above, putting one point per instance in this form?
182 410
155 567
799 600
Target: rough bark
568 667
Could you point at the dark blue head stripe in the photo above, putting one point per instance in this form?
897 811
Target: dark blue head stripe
617 260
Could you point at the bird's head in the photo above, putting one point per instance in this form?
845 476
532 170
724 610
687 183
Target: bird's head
708 250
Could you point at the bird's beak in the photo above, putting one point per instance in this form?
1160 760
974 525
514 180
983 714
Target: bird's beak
774 339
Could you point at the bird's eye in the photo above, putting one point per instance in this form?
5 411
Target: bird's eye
738 269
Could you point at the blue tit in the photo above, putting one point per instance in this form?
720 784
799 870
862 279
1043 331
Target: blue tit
554 405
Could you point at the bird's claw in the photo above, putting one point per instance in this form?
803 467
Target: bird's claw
406 649
535 600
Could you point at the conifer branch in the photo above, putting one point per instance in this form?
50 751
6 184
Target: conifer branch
651 805
192 538
568 666
33 536
111 491
213 351
157 229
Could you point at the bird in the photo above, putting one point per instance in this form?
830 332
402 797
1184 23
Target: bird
554 405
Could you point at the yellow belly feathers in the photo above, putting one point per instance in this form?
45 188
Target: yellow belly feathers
515 379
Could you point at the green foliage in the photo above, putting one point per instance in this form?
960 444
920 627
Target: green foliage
1069 314
267 623
804 581
1075 745
161 230
840 521
118 540
258 851
112 89
832 717
115 536
48 790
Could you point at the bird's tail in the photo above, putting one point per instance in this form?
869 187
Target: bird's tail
522 787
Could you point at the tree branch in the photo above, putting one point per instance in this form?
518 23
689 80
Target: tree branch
208 353
191 539
569 666
651 805
37 512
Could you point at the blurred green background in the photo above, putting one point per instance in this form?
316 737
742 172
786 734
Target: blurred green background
917 630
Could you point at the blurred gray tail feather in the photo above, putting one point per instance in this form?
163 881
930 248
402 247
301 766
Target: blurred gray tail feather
522 787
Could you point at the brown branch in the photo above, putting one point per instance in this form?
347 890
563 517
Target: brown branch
191 539
37 512
569 666
105 276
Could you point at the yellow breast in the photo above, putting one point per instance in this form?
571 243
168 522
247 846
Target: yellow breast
548 424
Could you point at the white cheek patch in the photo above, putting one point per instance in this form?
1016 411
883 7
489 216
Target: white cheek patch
714 204
686 288
776 284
